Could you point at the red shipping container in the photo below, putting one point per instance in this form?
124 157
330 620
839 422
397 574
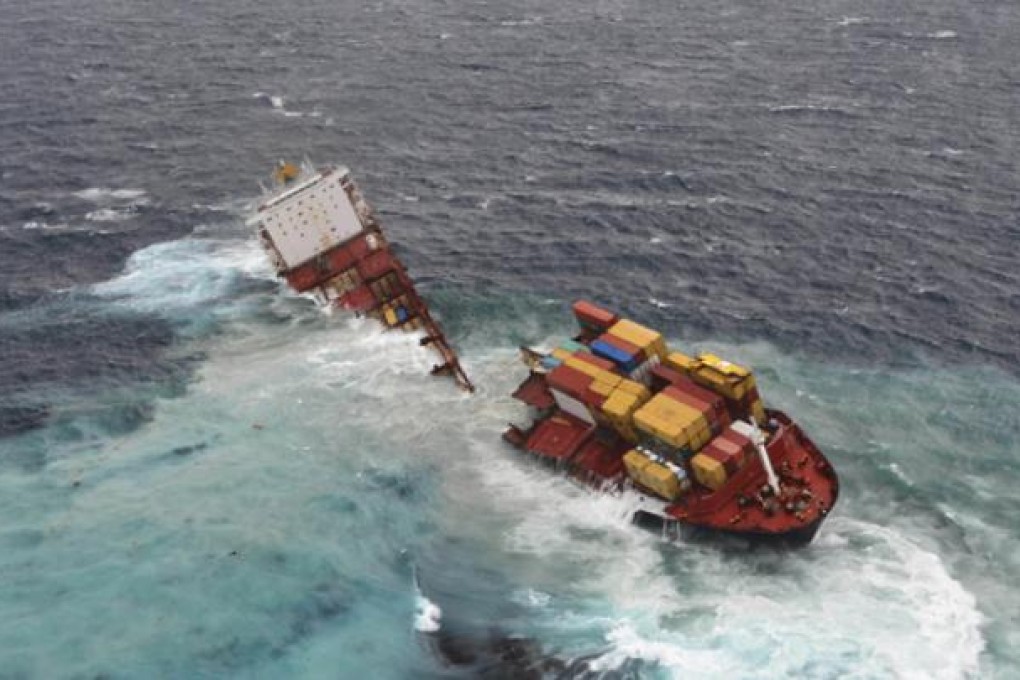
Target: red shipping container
569 380
663 375
341 258
690 387
730 449
736 439
593 399
729 460
589 358
375 265
715 404
305 277
361 299
592 315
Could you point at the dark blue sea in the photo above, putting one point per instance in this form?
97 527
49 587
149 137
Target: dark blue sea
204 475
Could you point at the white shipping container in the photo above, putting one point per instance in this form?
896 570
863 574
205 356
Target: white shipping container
572 406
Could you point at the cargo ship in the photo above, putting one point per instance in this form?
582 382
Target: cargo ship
325 240
687 439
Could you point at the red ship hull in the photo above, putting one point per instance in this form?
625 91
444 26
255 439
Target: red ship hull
738 510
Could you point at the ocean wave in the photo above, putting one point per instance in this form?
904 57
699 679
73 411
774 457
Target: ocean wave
107 195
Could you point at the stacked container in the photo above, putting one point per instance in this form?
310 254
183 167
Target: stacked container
733 382
662 478
682 428
620 406
651 343
569 388
593 318
723 456
626 356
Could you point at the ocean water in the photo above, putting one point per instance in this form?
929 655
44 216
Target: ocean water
203 475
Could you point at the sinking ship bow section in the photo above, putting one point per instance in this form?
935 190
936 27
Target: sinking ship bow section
324 239
689 436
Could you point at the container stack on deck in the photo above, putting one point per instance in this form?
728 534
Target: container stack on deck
684 417
616 408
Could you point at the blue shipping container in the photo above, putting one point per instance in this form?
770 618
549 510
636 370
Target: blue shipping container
402 314
550 362
628 362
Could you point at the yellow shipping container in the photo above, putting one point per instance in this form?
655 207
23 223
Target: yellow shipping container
390 316
561 354
648 340
669 420
724 366
603 388
590 370
758 411
728 386
651 475
662 481
679 361
721 376
699 438
708 471
635 462
620 406
635 388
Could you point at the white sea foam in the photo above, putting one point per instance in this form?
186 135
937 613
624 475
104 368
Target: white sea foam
107 195
109 215
863 601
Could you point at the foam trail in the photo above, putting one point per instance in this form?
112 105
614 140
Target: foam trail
293 446
427 614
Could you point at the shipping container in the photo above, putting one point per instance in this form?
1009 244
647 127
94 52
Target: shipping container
635 388
569 380
375 265
650 342
588 357
680 362
671 421
360 299
572 406
573 346
711 404
709 472
729 461
550 362
662 376
625 355
662 480
592 316
562 354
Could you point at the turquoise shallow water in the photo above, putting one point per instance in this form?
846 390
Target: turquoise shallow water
263 518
